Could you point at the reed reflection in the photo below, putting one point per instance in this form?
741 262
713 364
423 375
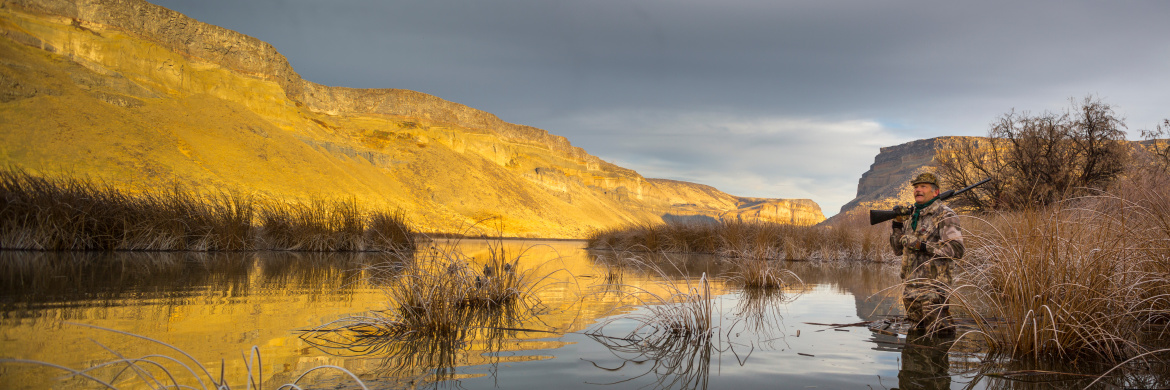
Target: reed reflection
677 323
72 281
445 312
679 339
476 335
759 311
678 362
998 372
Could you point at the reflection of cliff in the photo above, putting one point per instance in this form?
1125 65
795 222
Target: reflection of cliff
137 95
869 283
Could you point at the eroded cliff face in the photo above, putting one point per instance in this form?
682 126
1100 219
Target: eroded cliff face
141 96
887 182
690 199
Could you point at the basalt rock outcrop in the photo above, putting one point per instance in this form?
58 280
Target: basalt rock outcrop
140 96
685 199
886 183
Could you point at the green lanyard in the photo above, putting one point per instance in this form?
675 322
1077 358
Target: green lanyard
918 209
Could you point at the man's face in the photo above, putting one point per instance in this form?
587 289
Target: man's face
924 192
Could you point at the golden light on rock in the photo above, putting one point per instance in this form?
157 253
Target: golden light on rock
138 96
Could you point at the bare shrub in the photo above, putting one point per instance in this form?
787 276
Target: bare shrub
1159 144
1037 160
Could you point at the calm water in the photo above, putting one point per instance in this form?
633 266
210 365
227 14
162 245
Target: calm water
216 307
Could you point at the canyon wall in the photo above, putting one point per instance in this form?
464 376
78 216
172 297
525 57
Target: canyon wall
139 96
690 199
887 182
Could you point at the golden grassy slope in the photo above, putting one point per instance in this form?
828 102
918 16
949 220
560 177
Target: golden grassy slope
82 98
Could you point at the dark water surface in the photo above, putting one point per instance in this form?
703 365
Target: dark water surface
216 307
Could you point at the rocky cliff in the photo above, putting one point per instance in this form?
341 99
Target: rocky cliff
140 96
886 183
685 199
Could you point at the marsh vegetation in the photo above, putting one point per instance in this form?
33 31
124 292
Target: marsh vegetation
1073 287
441 303
673 321
1067 248
68 214
1085 280
852 239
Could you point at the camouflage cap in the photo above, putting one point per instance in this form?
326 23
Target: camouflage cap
925 178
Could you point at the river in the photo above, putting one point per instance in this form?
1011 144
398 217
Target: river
217 307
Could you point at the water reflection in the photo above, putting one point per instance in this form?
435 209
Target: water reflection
683 362
39 277
1149 372
218 305
925 362
759 310
426 356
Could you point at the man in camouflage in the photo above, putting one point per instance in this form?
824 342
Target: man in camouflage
928 248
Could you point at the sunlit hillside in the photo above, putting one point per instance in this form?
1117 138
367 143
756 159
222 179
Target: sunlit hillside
139 96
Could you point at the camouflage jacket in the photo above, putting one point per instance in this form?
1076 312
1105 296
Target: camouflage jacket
938 228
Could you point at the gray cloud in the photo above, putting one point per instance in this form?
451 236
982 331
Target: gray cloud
581 68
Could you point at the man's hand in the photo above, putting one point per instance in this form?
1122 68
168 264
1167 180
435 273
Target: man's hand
911 241
903 213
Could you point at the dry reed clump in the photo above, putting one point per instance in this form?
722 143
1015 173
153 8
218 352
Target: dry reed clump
685 311
677 236
160 371
1081 280
762 274
442 294
420 355
852 240
332 225
58 214
674 330
442 305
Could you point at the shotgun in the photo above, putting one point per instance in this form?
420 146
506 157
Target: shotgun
879 216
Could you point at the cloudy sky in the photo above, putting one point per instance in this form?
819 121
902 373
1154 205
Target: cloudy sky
763 98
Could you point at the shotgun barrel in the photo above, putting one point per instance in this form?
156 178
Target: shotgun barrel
879 216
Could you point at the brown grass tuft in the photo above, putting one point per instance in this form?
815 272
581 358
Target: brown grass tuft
443 296
762 274
59 214
1080 280
852 239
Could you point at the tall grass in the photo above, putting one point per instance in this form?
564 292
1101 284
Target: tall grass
61 214
1083 280
64 214
849 239
443 300
331 225
762 274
